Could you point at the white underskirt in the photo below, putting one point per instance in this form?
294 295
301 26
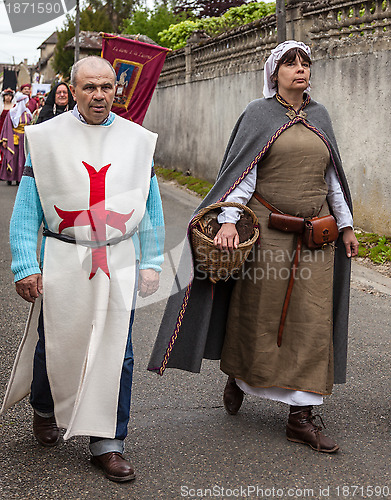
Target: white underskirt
288 396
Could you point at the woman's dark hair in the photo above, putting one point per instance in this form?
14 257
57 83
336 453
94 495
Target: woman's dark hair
289 56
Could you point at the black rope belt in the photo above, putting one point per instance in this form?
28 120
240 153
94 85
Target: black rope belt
88 243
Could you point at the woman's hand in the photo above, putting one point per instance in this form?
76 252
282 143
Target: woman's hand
227 238
350 241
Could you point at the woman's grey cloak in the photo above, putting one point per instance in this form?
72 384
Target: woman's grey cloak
193 325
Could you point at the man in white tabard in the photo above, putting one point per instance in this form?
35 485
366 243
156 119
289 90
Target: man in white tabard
89 178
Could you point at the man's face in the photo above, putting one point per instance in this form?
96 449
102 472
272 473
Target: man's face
94 91
26 91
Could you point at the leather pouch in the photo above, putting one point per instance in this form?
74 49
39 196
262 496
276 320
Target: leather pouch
320 231
286 223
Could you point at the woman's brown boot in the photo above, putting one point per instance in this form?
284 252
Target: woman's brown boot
302 429
233 396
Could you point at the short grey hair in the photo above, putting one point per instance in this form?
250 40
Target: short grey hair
89 60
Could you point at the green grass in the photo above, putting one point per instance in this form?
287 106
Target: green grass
374 247
198 186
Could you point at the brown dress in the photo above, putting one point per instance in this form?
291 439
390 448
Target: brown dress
292 178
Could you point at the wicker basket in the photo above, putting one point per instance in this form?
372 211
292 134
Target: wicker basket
220 264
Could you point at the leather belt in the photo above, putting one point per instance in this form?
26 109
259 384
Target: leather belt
265 203
88 243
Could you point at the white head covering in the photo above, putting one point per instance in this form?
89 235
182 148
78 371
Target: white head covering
20 107
271 64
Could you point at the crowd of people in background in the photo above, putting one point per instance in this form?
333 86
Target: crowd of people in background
19 109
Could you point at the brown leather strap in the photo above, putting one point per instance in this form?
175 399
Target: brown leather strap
266 204
288 294
273 209
294 266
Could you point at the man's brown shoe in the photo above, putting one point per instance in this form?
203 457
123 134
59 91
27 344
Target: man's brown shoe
114 466
45 430
233 396
302 429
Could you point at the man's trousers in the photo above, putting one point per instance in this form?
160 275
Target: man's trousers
41 398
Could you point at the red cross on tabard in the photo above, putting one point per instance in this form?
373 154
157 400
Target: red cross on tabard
95 216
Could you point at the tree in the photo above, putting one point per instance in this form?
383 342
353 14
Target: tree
116 10
63 59
175 36
206 8
151 22
98 15
90 20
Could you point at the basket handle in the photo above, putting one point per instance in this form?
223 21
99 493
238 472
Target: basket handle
219 204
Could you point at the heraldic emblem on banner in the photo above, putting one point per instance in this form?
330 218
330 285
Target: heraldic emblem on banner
137 66
128 75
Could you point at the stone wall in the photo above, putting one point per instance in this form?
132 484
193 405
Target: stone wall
205 86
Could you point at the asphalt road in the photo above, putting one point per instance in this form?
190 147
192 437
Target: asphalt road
181 441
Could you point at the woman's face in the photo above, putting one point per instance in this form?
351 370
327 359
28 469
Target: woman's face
61 98
7 98
294 75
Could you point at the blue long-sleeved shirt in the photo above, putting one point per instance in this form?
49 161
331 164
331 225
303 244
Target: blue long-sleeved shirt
28 216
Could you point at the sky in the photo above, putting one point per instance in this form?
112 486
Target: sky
15 47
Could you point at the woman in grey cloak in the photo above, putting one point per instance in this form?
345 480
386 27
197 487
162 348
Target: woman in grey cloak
283 152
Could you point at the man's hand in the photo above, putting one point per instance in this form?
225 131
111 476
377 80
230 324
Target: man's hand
350 241
148 282
227 238
30 288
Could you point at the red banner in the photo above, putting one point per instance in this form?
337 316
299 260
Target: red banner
138 66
